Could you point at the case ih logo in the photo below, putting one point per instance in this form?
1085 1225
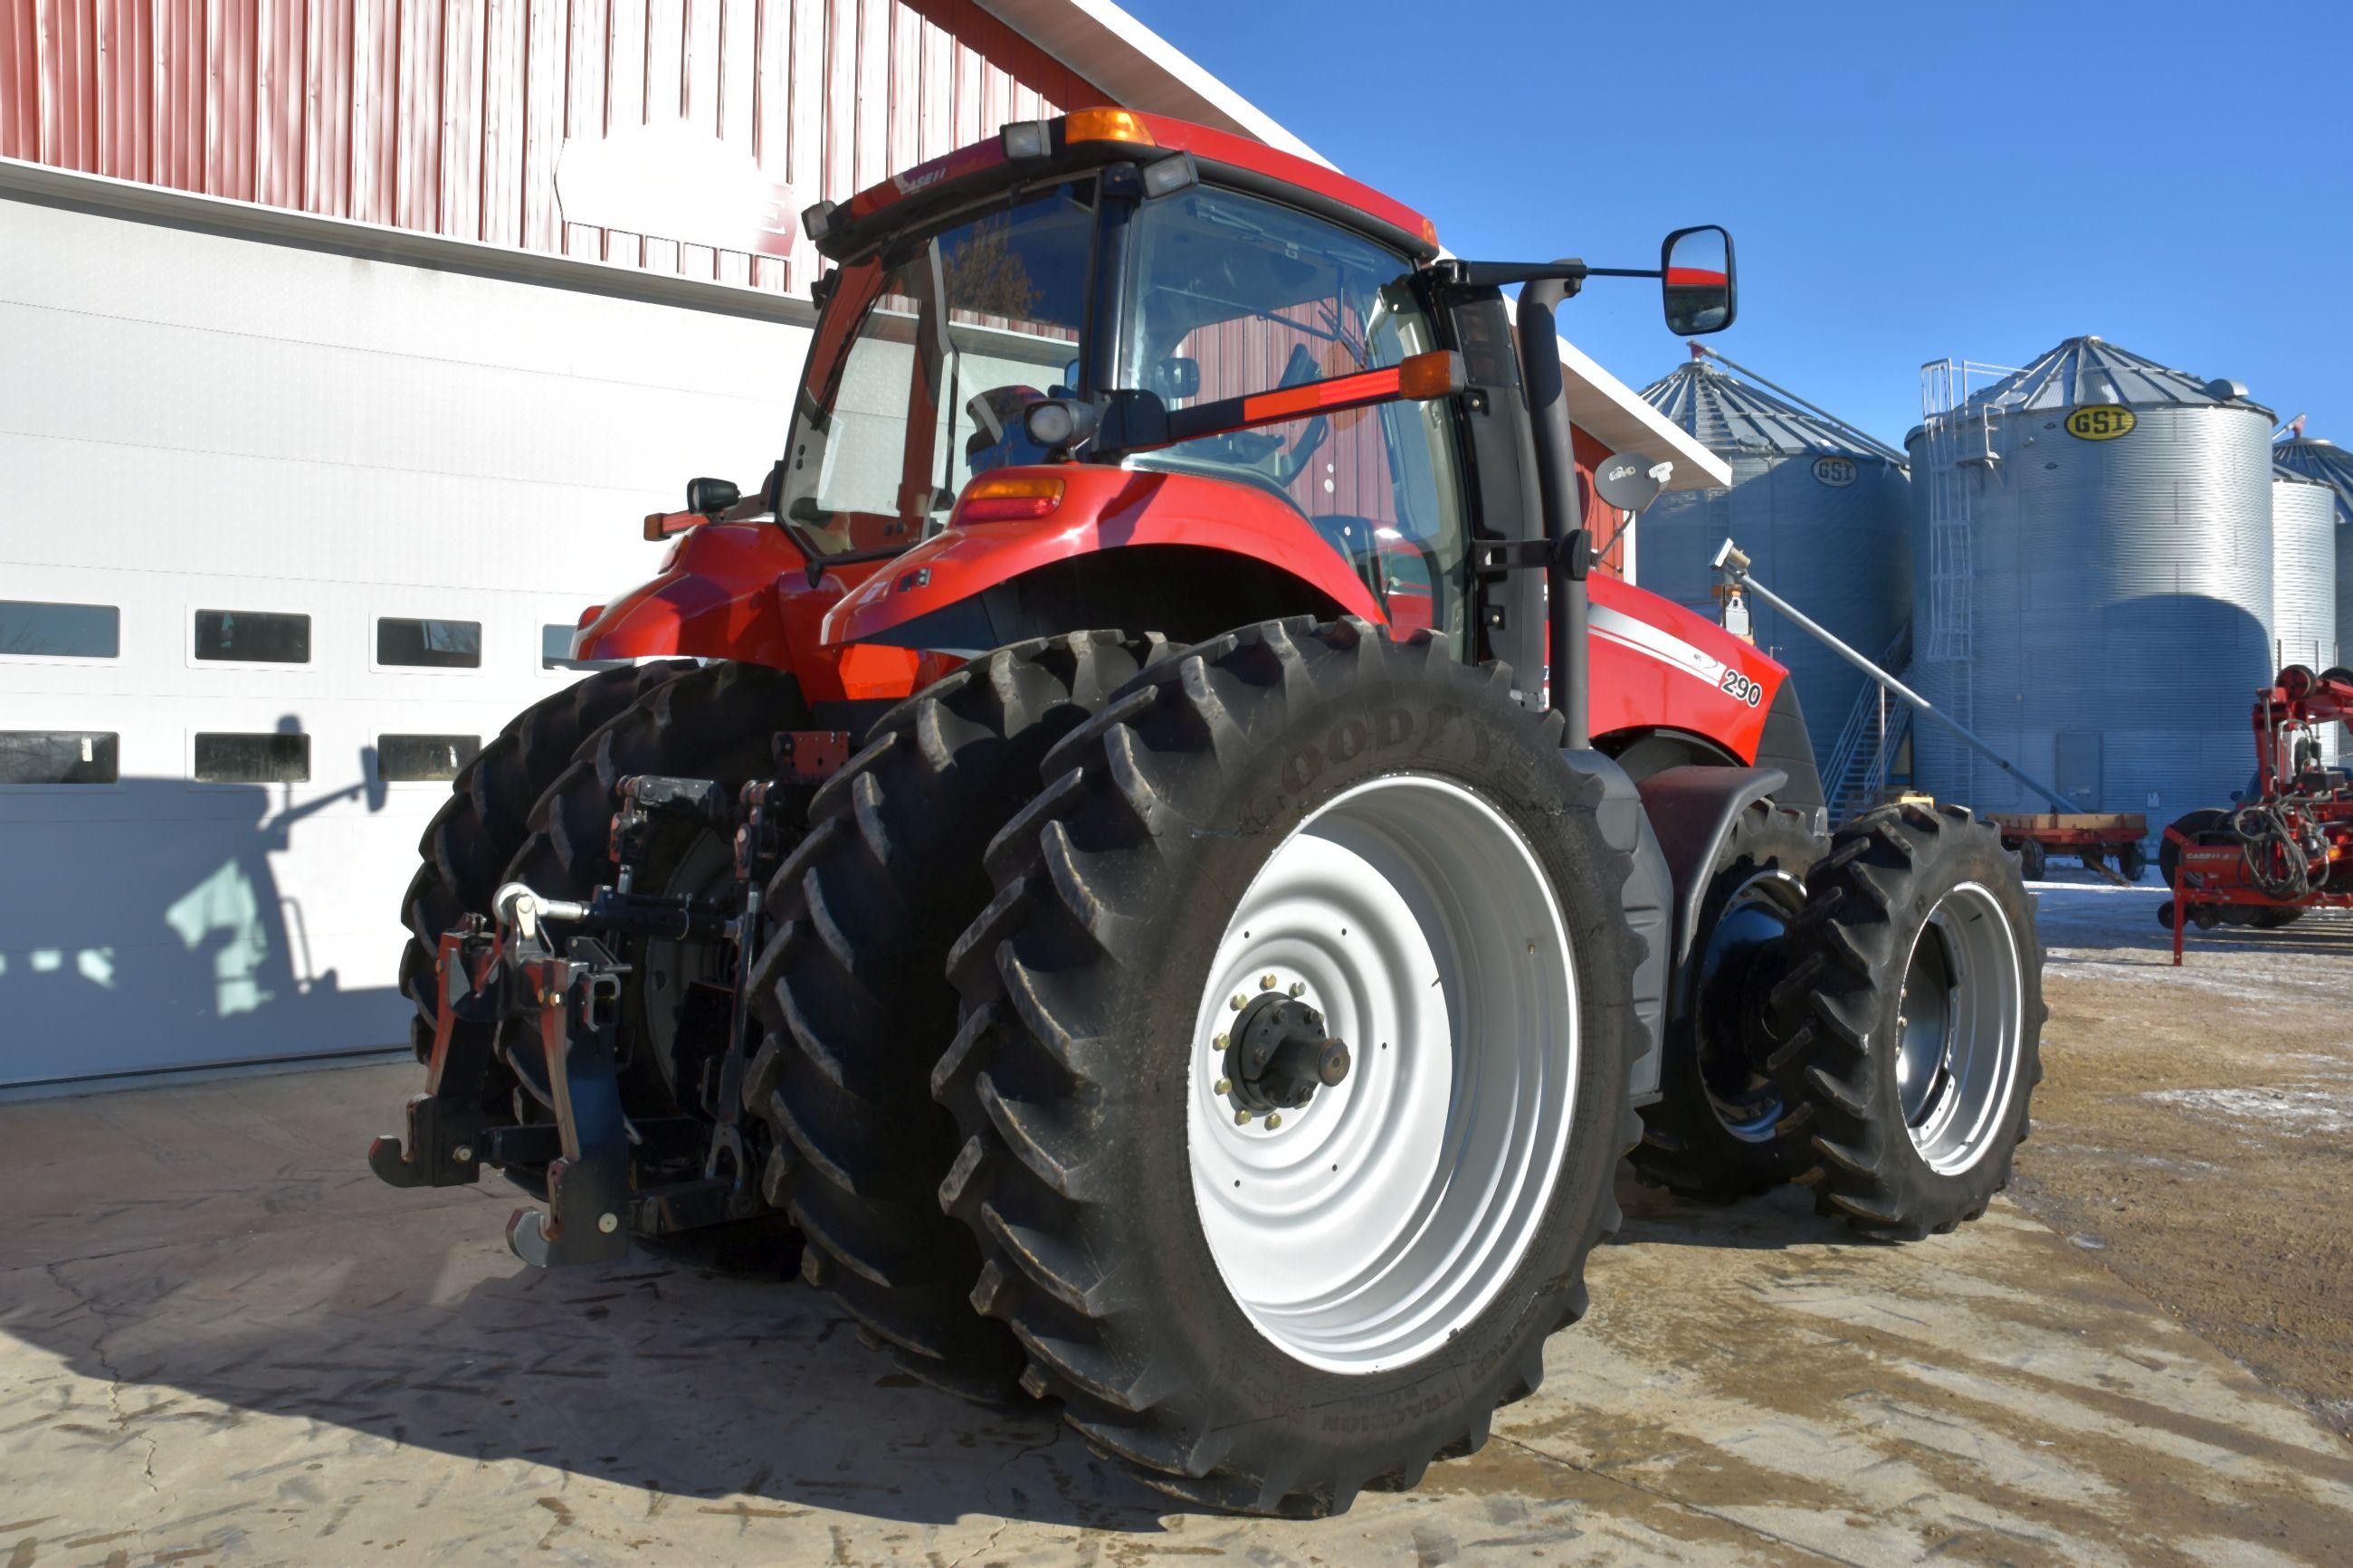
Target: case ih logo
675 181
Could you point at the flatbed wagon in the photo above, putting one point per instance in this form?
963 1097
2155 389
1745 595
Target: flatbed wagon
2095 837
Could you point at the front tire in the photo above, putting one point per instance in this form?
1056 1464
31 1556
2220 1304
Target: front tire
1714 1135
1387 831
1915 989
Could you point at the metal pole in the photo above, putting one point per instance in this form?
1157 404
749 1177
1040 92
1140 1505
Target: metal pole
1734 565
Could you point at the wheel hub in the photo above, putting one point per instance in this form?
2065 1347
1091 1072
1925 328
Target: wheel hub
1743 960
1432 1027
1279 1054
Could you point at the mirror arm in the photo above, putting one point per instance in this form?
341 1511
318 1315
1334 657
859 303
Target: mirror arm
1451 272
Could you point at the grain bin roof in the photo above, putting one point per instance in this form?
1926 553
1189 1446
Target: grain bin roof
1727 415
2323 461
2091 371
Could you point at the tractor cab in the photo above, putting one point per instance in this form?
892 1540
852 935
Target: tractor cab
1085 293
1240 330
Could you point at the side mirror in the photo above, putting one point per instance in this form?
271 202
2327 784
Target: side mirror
1175 377
1696 280
711 497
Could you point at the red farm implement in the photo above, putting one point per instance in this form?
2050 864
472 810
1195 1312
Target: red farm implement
2288 846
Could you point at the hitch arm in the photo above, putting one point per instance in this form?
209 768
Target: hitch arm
588 1187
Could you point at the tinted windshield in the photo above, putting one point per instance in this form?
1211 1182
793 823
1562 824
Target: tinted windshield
923 365
1229 295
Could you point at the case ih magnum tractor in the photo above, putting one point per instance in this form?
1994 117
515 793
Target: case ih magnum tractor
1075 851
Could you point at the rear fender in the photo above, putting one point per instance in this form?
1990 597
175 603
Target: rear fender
938 595
741 591
715 597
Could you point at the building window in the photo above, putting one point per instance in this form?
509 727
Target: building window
253 759
34 629
555 651
253 637
420 759
431 644
57 757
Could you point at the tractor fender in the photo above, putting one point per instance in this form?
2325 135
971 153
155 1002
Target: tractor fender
715 597
1646 898
741 591
939 595
1692 810
1658 666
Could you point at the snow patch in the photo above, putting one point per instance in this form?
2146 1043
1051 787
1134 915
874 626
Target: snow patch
2299 1110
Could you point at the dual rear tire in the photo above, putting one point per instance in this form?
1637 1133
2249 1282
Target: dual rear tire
1153 851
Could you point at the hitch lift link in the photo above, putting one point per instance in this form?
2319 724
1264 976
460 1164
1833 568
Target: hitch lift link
606 1179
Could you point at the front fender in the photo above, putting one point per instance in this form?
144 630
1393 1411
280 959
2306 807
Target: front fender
1657 665
1102 508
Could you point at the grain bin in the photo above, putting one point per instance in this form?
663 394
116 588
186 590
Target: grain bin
2332 465
2304 570
2304 579
2093 591
1818 505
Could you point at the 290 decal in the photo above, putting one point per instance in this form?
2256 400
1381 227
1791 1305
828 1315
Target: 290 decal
1741 688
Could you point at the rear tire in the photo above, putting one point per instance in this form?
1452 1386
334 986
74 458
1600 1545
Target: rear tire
1713 1134
717 721
1282 1377
467 846
468 843
854 999
1915 992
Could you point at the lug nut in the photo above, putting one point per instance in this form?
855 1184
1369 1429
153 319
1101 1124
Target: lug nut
1299 988
1221 1042
608 1223
1242 1118
1225 1085
1235 1002
1266 982
1332 1062
1273 1119
463 1153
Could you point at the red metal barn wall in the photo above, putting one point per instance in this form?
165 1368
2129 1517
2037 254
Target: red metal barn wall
445 116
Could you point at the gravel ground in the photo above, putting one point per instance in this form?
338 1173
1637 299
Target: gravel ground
2191 1126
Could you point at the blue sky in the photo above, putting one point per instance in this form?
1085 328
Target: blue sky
1904 182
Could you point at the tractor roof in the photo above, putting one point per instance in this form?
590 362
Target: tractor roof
1086 138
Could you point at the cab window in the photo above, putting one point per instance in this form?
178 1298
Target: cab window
1230 295
957 332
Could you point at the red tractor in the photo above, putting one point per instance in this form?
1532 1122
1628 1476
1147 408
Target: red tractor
2288 845
1085 868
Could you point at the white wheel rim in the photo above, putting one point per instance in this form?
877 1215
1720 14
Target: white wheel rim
1960 1024
1380 1218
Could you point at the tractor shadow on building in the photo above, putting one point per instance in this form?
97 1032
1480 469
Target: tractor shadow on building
156 933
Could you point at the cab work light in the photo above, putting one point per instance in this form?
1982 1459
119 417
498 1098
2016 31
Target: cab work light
1026 139
1013 499
1106 125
